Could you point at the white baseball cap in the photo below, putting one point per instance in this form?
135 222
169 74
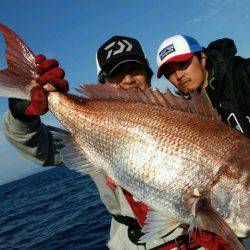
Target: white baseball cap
177 48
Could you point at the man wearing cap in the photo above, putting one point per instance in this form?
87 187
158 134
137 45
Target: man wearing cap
216 69
121 61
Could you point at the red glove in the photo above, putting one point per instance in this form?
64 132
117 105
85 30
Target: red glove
49 73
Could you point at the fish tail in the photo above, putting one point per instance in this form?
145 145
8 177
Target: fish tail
18 79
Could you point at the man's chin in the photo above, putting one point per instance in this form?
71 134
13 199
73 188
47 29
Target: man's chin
187 91
184 91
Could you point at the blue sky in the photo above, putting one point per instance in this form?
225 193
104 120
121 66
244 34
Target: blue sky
72 31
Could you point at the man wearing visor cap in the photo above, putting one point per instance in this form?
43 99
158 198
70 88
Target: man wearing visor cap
216 69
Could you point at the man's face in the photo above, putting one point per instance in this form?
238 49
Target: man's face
187 76
129 75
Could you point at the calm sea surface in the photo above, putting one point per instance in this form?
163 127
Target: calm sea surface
55 209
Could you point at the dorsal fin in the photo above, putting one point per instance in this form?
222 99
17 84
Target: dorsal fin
198 103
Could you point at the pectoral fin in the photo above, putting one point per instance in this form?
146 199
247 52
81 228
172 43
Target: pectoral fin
72 156
207 218
157 225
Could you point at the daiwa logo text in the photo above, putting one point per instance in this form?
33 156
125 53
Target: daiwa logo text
123 45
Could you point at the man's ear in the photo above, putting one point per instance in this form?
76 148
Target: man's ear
102 78
203 59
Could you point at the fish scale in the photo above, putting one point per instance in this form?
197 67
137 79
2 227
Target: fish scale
175 155
149 135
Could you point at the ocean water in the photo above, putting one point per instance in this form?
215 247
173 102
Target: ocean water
55 209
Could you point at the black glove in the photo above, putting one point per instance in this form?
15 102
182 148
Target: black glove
18 107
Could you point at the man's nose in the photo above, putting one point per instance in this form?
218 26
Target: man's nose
178 74
127 82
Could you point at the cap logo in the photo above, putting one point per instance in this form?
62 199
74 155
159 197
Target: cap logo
123 45
166 51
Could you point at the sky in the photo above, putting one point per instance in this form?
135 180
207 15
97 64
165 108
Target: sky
72 30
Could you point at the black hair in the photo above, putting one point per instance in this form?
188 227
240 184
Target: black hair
149 73
101 77
199 55
208 64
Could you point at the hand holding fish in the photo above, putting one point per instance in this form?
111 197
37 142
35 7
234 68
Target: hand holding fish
51 78
50 72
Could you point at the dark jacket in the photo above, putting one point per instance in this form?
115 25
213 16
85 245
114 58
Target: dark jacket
229 83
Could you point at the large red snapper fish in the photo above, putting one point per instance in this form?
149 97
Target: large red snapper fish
173 154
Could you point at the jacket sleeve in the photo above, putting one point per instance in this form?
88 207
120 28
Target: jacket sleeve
33 140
